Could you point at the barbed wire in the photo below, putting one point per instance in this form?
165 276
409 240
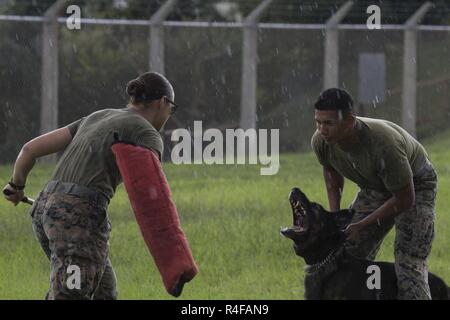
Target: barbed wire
279 11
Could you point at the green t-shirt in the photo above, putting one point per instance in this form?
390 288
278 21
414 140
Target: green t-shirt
385 160
88 160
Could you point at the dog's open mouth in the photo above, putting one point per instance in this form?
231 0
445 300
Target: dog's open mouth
299 229
300 223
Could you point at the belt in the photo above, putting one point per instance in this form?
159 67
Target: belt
77 190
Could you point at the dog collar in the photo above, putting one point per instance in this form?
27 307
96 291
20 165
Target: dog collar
331 257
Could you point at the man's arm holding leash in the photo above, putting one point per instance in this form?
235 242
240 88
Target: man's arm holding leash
399 202
334 183
45 144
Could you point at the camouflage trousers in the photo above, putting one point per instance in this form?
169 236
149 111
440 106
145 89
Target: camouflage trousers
414 230
72 227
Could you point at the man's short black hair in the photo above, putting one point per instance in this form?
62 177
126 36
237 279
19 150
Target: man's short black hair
335 99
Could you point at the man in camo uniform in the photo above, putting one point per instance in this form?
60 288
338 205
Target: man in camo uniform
398 186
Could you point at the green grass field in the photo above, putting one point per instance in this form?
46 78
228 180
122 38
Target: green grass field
231 216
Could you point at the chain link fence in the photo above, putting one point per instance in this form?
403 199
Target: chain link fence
205 66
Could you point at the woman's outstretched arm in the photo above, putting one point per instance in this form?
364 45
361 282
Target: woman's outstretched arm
43 145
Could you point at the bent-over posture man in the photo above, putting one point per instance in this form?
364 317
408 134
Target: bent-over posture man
397 184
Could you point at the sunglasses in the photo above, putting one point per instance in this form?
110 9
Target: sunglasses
174 106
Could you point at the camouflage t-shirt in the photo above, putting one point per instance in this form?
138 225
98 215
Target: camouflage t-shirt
386 158
88 160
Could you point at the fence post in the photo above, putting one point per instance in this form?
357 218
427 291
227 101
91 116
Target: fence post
156 42
249 67
331 61
409 92
49 85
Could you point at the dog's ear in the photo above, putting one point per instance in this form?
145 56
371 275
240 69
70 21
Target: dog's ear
342 218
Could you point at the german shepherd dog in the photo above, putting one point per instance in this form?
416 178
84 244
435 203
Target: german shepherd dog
331 272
